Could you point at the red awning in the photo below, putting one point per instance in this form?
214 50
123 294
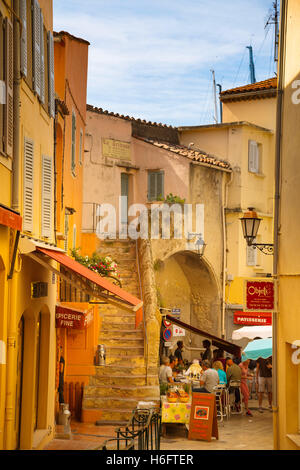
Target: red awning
10 218
90 281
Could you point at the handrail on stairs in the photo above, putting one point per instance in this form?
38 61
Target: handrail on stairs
142 298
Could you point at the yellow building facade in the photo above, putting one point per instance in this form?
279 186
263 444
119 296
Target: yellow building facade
286 234
246 139
28 380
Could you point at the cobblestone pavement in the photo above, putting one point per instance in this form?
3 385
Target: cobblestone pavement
240 432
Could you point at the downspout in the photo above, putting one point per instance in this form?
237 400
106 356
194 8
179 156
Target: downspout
281 70
12 314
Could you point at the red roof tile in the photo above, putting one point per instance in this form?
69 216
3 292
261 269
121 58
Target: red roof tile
269 84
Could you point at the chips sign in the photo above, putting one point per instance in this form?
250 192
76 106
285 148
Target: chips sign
167 334
259 296
177 331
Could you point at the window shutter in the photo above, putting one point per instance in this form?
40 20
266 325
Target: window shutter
42 58
51 91
9 83
151 186
80 147
73 163
159 185
253 157
36 42
47 180
23 17
28 185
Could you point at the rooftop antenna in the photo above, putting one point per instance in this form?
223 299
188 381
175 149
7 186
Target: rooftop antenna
274 19
251 65
215 97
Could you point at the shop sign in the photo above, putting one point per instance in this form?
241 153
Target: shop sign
176 312
203 418
167 334
39 289
72 319
177 331
116 149
253 318
259 295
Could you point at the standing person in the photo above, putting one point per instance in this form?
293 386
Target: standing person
178 352
165 371
264 380
207 355
209 379
244 386
218 366
220 357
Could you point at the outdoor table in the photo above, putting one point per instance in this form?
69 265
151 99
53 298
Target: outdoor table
174 413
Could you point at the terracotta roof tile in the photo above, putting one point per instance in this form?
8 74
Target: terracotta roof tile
193 154
269 84
94 109
65 33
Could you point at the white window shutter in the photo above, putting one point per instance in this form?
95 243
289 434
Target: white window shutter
42 58
47 184
36 41
9 82
23 17
51 97
253 157
28 185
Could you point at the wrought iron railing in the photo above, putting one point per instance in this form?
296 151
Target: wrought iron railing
144 428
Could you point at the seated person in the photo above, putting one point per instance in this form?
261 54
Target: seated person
165 372
209 379
194 370
234 374
173 362
218 366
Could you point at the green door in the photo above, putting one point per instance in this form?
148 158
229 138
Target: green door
124 200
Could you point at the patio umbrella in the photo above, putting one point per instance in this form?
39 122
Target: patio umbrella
252 332
258 348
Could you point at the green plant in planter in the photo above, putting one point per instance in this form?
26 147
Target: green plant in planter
171 199
104 266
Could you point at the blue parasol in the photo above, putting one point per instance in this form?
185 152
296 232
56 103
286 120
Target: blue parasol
258 348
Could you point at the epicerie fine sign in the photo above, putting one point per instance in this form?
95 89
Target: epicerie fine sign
116 149
259 296
66 318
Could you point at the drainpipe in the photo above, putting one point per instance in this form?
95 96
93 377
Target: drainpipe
12 314
281 73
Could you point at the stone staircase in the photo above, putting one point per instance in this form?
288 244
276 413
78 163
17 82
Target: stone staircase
116 388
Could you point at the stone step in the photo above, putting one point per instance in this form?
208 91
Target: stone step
119 370
110 402
111 417
114 319
108 325
124 350
120 342
121 334
117 391
131 361
125 380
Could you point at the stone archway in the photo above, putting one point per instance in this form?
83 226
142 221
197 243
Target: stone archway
187 282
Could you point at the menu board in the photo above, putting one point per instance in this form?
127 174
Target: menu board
203 419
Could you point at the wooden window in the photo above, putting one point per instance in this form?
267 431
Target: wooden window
2 84
29 24
51 90
47 184
74 236
80 147
73 162
36 44
9 83
254 163
23 17
28 185
155 185
42 59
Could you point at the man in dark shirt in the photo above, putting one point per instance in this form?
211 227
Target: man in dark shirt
178 352
264 380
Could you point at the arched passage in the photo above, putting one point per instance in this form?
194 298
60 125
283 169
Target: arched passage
187 282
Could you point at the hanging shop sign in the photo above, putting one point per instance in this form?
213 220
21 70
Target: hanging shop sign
178 331
253 318
39 289
72 319
203 418
176 312
167 334
259 296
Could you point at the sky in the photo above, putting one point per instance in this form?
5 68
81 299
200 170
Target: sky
152 59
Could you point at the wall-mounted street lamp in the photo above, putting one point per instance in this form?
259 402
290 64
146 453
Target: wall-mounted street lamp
200 244
250 225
